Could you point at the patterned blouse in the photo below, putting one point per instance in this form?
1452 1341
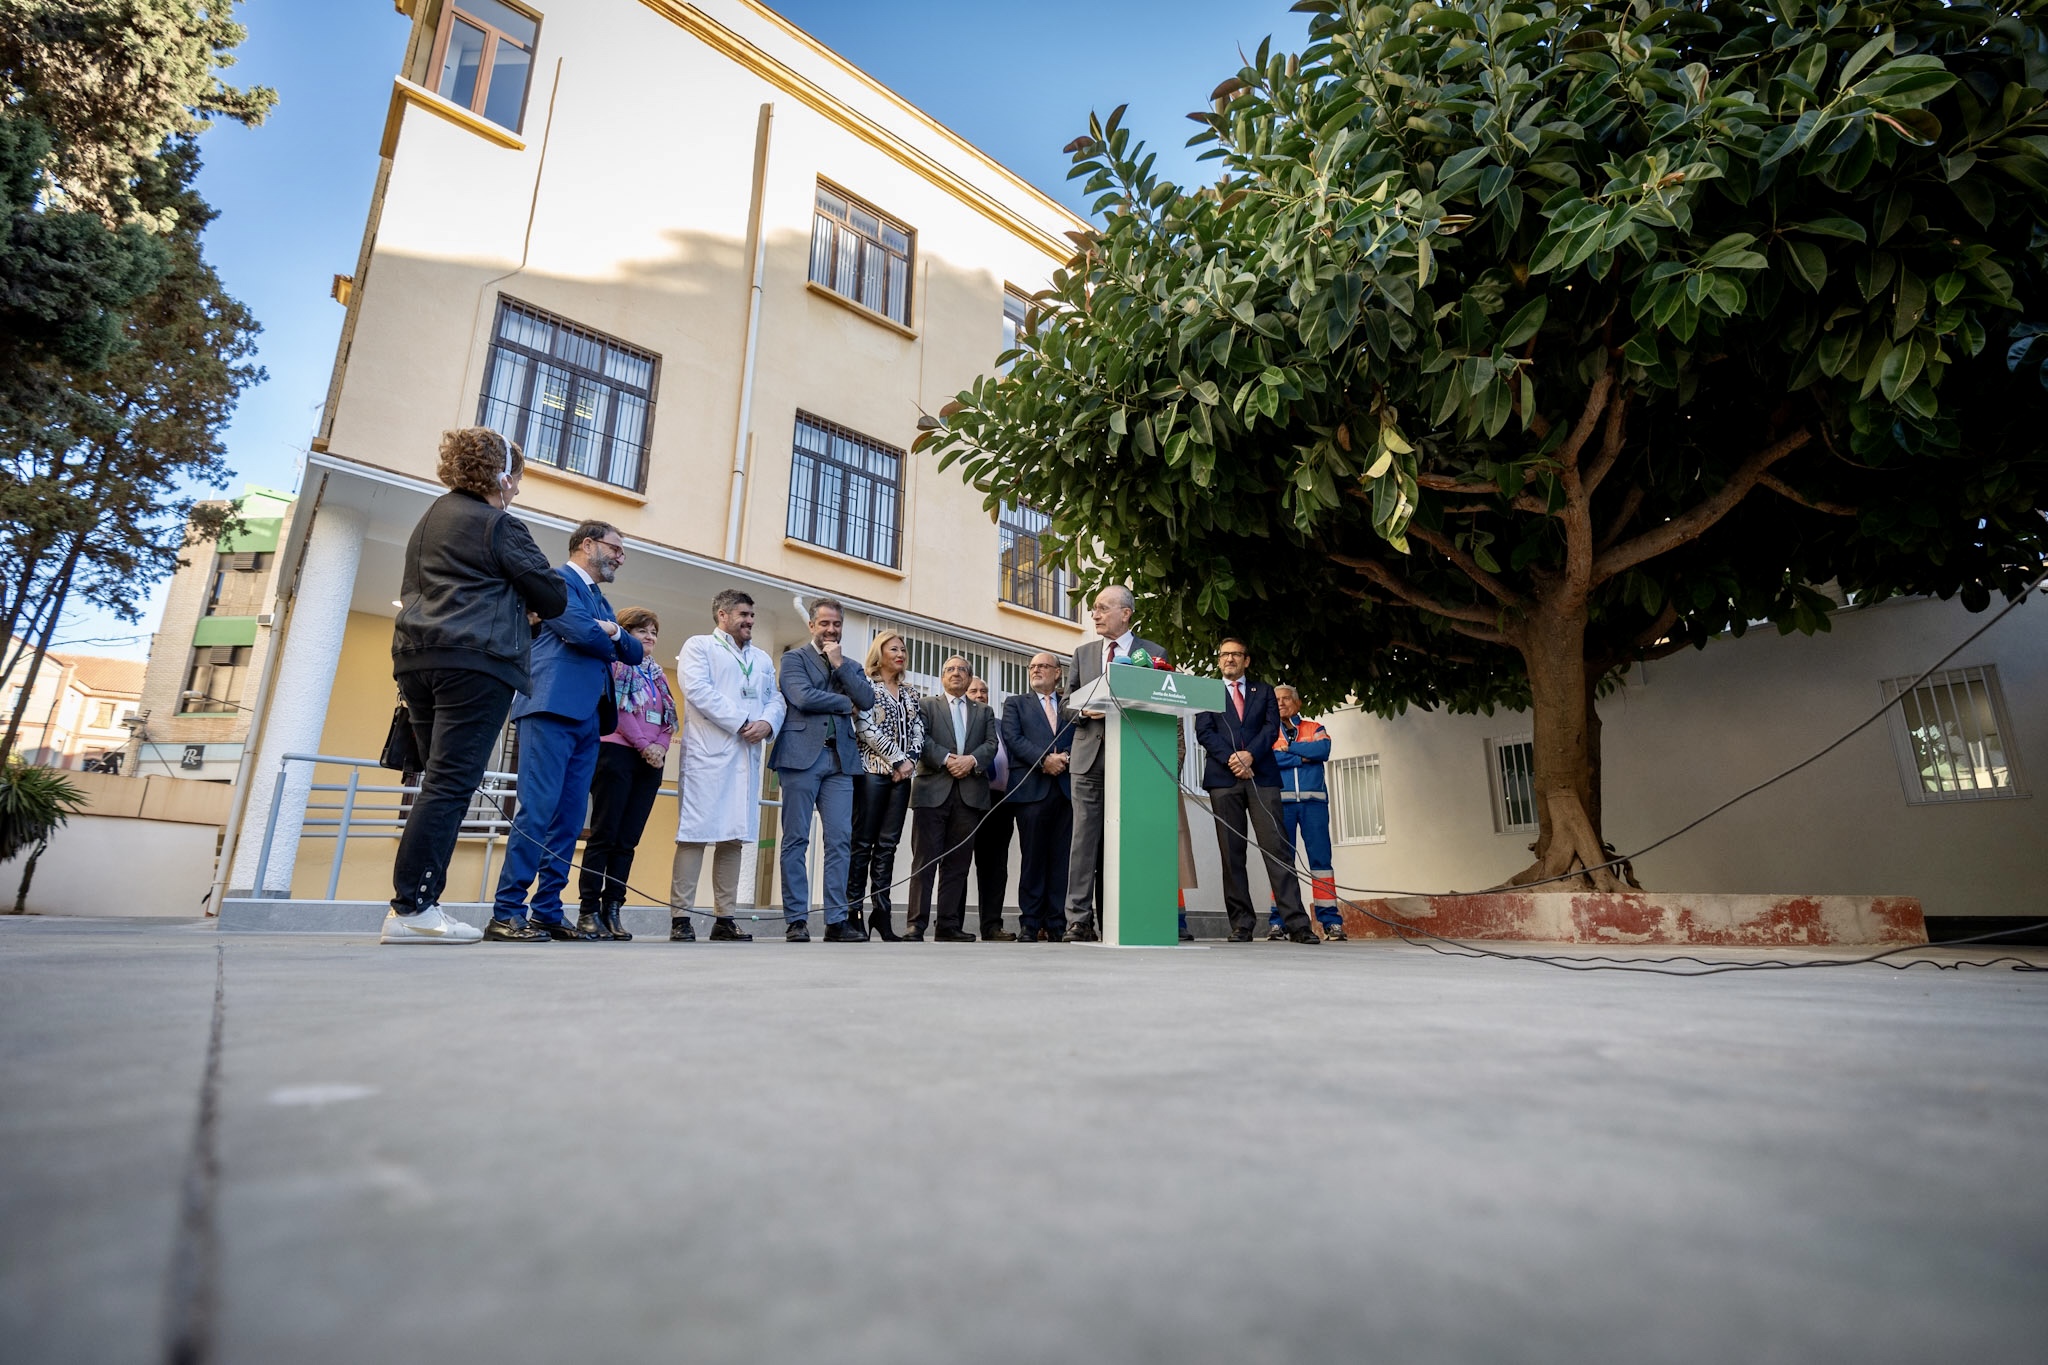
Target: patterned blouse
892 730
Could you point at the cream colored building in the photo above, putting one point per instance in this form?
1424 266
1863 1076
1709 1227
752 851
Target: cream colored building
710 276
78 710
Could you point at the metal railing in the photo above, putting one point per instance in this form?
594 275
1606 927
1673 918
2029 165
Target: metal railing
349 818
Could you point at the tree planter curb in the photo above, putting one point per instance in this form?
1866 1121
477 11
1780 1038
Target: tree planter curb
1639 917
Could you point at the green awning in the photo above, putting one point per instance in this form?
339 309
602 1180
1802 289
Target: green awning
225 630
255 534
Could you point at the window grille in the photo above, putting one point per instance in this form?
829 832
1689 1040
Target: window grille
1358 811
1023 576
1005 671
861 255
573 398
1512 768
1016 308
1954 738
483 59
845 492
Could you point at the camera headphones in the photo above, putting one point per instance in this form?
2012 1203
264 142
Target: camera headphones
505 476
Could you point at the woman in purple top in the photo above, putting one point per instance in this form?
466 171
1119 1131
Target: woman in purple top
629 764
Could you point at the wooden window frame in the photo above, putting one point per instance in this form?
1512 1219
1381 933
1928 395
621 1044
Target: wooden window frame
521 427
829 285
445 26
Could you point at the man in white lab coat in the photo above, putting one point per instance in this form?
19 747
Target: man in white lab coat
731 709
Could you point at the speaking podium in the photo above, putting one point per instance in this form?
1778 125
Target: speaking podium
1141 710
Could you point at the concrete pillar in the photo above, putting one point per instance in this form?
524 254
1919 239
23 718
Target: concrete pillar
297 712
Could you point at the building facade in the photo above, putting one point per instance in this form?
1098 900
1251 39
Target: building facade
79 711
210 647
710 276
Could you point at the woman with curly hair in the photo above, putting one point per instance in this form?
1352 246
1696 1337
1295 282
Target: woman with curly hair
459 650
629 764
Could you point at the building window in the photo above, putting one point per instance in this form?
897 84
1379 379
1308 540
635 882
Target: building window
845 492
238 583
1954 738
859 254
573 398
103 716
1023 577
1015 309
1358 810
214 684
483 59
1005 671
1511 767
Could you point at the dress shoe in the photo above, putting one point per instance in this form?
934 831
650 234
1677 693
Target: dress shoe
723 930
591 925
1240 936
952 936
1274 933
1080 933
681 929
564 932
846 931
999 936
1303 936
799 931
608 916
512 931
1049 935
1187 936
917 937
1334 933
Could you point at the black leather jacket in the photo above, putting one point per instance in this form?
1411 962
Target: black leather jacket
472 573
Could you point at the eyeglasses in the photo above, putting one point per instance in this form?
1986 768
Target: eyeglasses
1232 654
618 551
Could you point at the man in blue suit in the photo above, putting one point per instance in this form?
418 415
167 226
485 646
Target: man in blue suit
1040 747
1243 780
558 734
815 759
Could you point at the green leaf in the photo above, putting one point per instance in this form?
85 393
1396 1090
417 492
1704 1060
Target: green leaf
1810 264
1528 319
1847 228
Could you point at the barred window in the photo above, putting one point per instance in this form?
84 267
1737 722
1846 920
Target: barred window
573 398
861 255
1016 308
845 492
1005 671
1511 767
1023 577
1358 811
1953 737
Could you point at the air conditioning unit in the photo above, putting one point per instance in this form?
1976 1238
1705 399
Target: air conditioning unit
262 618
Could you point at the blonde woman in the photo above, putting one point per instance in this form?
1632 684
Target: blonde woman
891 734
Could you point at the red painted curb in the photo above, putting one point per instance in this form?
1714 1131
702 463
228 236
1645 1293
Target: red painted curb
1729 920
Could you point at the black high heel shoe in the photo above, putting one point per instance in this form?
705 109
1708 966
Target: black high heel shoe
878 926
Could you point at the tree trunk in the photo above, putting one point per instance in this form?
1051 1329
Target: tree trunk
1566 753
28 872
59 591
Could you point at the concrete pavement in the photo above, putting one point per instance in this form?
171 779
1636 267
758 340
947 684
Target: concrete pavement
996 1153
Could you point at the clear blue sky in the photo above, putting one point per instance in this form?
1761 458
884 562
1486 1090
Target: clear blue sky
1017 80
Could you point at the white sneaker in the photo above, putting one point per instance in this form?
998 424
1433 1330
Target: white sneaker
431 925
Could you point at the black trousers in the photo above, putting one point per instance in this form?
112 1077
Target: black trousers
457 716
621 794
945 829
1045 837
992 863
879 806
1262 804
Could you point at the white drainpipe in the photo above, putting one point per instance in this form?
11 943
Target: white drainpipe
737 498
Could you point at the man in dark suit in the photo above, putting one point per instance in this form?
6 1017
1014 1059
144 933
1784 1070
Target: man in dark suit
1242 779
1112 612
558 734
948 797
992 837
815 759
1040 746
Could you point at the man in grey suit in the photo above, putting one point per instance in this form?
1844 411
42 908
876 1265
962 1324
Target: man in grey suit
948 797
1111 613
815 759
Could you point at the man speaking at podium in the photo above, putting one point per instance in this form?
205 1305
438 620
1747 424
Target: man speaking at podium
1112 616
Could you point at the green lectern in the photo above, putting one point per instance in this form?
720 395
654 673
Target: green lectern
1141 710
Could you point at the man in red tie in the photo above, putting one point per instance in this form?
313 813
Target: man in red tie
1040 743
1112 612
1243 782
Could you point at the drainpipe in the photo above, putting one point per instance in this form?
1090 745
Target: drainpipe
736 500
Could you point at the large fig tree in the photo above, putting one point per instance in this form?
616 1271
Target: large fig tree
1520 342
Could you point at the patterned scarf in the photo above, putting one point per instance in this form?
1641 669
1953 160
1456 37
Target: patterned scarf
642 690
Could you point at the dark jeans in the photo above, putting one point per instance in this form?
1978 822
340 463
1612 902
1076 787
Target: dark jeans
457 716
941 846
621 795
992 863
879 805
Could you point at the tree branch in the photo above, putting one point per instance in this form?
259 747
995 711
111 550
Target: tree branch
1691 524
1446 483
1785 490
1589 421
1399 587
1467 565
1610 443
